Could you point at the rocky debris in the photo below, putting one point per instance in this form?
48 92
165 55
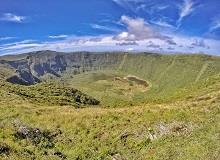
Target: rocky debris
123 137
166 129
60 154
84 99
152 134
174 128
4 149
33 134
36 135
118 157
39 138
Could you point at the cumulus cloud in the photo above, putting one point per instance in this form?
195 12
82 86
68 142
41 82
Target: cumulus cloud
170 48
191 47
108 43
199 43
138 29
138 35
171 42
153 45
12 18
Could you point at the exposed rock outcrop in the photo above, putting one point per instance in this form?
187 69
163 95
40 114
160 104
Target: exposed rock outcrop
32 66
23 78
35 135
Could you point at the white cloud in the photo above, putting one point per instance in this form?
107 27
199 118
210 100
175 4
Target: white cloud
129 43
12 18
131 5
137 29
123 3
162 7
27 41
21 46
199 43
6 38
58 36
130 49
138 35
151 44
215 25
163 23
109 43
141 7
185 10
105 28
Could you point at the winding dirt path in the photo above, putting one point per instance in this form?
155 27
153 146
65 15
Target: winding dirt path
202 71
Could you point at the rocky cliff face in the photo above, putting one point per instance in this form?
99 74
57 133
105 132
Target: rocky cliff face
33 66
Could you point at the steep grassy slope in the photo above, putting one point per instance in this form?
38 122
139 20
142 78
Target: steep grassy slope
110 87
46 94
94 73
168 75
50 121
182 130
6 71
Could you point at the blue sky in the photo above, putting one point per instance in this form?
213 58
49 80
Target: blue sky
165 26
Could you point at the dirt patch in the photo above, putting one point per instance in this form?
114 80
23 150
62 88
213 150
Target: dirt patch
122 87
137 80
168 129
174 128
133 83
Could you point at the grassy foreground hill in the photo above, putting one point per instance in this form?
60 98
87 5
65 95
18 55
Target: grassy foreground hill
151 107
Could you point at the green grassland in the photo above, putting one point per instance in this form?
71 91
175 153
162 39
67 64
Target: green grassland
174 116
169 78
184 129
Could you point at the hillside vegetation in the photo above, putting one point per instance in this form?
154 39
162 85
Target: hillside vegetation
49 94
145 106
94 73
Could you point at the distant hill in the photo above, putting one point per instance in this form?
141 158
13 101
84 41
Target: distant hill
167 73
31 67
